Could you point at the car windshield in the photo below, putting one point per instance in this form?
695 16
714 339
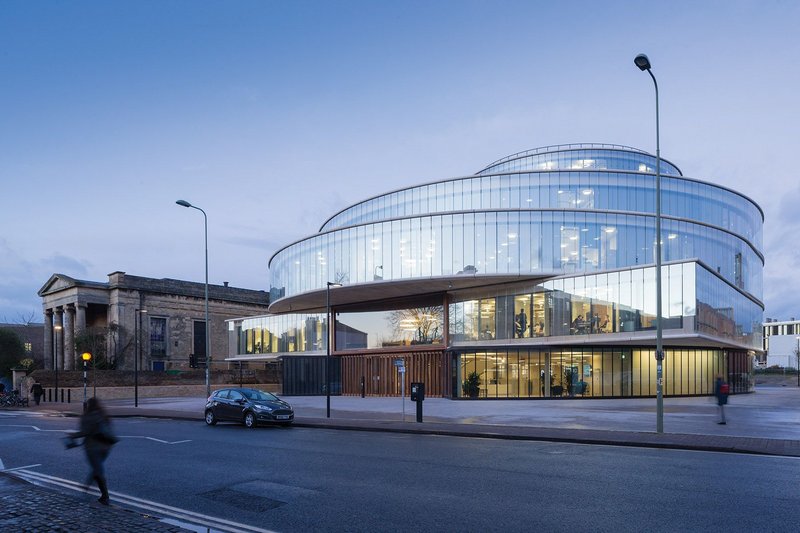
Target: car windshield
258 395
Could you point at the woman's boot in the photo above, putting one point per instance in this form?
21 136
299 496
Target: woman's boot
101 484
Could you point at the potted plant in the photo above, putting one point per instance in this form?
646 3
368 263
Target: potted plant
472 385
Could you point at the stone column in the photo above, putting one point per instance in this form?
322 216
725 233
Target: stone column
69 337
80 318
48 339
59 338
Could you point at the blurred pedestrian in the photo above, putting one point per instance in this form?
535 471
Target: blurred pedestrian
98 438
37 392
721 391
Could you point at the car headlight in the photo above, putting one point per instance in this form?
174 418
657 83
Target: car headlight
262 408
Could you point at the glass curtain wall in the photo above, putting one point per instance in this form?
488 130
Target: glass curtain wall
599 372
615 302
515 242
278 334
612 191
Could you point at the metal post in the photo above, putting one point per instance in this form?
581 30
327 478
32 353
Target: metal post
643 63
328 350
402 371
797 355
84 385
208 326
330 335
136 358
184 203
56 329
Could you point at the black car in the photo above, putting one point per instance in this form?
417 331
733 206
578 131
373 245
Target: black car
249 406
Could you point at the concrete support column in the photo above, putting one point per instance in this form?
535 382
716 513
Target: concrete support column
48 339
59 339
69 337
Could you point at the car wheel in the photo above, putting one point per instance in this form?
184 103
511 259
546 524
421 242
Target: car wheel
250 419
211 420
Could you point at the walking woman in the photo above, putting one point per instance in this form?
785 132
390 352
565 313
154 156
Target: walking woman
98 438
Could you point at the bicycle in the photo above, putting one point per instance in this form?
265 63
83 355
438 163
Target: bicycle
13 399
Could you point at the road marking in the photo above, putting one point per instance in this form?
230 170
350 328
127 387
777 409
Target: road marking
154 439
151 507
36 428
71 431
18 467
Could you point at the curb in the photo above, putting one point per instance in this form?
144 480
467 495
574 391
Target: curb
671 441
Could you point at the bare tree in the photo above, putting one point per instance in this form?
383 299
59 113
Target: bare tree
423 323
26 319
101 342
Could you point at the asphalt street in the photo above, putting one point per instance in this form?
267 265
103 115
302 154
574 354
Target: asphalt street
300 479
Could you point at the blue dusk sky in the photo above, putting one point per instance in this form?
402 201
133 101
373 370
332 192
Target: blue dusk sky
274 115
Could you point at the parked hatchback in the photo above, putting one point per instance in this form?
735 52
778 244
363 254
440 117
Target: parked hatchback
248 406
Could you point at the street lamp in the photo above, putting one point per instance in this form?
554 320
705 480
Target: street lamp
643 63
184 203
56 330
137 353
86 356
330 336
797 355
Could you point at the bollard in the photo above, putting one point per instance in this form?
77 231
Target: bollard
363 387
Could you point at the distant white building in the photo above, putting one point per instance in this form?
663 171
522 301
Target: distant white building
781 340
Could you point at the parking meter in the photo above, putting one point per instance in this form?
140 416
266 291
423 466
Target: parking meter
417 392
418 395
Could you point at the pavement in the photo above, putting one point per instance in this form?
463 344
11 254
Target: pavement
766 422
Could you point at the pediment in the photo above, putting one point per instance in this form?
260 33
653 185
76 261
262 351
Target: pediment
56 283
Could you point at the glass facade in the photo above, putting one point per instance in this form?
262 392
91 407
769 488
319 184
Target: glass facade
599 372
579 222
694 300
581 157
273 334
590 188
408 326
545 242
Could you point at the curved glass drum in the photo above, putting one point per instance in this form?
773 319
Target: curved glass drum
570 182
536 274
520 242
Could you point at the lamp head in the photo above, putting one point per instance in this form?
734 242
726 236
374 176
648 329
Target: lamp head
184 203
86 356
642 62
333 284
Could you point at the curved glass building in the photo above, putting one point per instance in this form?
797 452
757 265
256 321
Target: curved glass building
537 274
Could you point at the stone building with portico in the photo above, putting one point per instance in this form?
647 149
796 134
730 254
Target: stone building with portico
167 316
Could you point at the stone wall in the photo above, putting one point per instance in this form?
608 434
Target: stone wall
75 394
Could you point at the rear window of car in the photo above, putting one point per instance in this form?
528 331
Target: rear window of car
221 394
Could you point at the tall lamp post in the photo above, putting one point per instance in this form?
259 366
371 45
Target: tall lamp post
797 356
184 203
137 353
86 356
643 63
56 331
330 336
